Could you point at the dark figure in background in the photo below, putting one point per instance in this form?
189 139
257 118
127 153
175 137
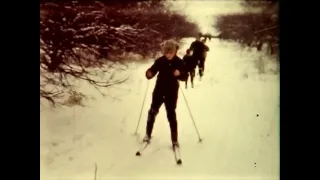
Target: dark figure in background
190 66
202 64
199 48
170 69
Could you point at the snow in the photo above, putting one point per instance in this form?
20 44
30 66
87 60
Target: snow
235 108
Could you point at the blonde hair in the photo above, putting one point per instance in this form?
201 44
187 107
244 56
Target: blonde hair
169 46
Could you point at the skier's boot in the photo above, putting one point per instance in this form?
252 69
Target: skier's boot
200 74
147 138
175 144
192 85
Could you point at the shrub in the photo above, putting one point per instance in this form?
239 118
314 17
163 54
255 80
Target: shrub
252 28
83 40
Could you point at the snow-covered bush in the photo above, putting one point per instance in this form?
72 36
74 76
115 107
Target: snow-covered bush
256 26
83 39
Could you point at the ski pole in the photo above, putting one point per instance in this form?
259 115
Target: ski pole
194 123
144 99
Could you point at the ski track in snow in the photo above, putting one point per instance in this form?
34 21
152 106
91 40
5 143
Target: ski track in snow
235 108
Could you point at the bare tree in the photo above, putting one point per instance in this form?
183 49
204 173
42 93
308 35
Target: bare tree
252 28
85 41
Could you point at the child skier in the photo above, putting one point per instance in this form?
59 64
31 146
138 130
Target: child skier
170 69
190 66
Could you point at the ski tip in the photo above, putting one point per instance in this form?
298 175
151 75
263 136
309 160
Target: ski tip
138 153
179 161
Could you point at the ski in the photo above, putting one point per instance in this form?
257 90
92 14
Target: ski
142 148
177 155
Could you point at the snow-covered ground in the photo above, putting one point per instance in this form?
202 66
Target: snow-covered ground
236 110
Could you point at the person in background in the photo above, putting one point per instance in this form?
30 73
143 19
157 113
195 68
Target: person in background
198 48
190 67
203 60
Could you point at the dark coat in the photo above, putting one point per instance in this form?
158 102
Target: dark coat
167 83
199 49
190 62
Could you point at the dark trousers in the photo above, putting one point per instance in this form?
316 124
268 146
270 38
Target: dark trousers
191 73
200 59
201 67
170 102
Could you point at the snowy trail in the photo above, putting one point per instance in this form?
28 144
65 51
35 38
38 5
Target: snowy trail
225 107
236 111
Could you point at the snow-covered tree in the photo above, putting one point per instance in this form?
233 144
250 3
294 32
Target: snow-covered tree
84 40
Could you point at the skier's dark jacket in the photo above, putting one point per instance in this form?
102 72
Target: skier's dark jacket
190 62
198 48
167 83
